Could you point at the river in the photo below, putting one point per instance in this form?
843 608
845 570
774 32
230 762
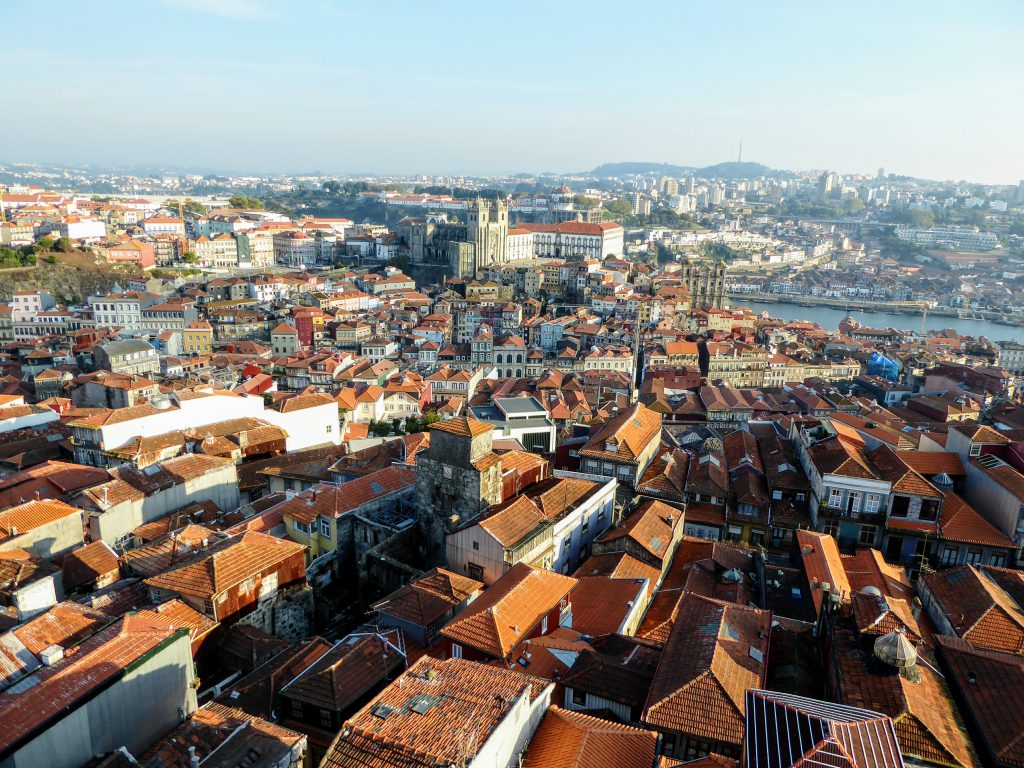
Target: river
829 318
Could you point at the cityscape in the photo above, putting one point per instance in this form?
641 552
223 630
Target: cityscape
484 445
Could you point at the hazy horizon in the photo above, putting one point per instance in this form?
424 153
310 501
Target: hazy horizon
248 86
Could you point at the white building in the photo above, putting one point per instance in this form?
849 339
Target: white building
576 240
294 249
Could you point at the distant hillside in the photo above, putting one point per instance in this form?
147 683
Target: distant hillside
718 171
739 171
639 169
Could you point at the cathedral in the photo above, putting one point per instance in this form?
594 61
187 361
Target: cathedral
705 280
453 248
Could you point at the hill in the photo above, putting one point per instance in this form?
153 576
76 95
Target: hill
731 170
736 170
639 169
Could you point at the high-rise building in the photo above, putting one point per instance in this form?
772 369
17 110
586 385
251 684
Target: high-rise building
881 173
691 185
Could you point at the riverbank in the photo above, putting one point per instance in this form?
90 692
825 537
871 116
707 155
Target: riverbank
912 308
830 317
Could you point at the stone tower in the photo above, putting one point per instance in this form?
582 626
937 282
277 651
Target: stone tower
706 282
457 478
488 231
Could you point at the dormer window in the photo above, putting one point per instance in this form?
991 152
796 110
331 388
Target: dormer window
610 446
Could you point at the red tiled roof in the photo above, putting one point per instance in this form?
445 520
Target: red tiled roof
992 687
626 436
715 653
61 687
601 605
463 426
979 610
32 515
509 610
822 565
455 713
428 597
335 500
567 739
961 523
652 526
226 565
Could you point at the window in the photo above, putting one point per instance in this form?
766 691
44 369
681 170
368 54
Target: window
325 529
974 556
867 534
296 707
579 698
835 498
325 718
975 449
301 527
544 625
456 651
998 559
949 553
475 571
871 503
476 546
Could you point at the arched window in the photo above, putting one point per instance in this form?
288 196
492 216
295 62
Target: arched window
519 358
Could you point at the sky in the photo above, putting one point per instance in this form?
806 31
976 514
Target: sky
920 87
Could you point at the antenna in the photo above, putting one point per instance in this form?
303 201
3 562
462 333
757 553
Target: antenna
739 157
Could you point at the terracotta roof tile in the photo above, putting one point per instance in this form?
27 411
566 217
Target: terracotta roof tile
454 715
961 523
508 611
226 565
429 597
333 501
64 684
32 515
715 653
567 739
463 426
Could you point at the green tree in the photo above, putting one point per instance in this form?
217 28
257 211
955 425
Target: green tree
621 207
190 258
919 217
64 245
853 205
45 244
241 201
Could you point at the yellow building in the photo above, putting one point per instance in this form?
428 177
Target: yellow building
197 338
352 517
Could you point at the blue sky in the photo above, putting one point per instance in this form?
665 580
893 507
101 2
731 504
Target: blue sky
924 88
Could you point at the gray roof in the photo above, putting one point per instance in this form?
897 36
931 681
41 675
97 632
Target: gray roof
126 347
519 406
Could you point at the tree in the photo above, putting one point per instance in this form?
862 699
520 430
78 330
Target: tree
853 205
190 258
188 206
919 217
45 244
249 203
620 207
64 245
